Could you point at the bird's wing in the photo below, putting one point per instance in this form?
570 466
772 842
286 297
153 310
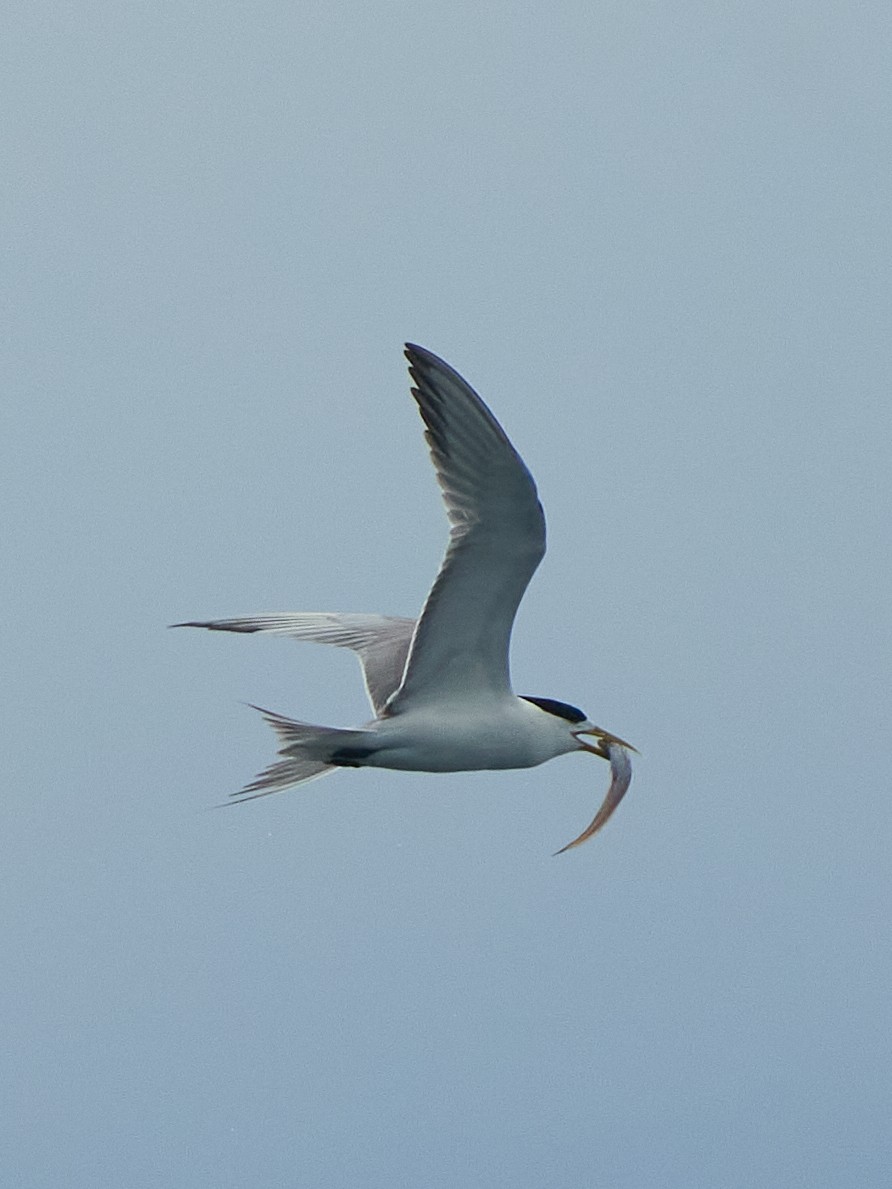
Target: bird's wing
497 539
380 641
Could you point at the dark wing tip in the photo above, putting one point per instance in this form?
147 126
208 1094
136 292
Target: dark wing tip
420 357
218 625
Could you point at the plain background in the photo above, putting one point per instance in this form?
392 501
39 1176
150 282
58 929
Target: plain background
656 239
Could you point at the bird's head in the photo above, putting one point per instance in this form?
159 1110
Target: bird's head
579 725
597 742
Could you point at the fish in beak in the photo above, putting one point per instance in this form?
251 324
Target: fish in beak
617 752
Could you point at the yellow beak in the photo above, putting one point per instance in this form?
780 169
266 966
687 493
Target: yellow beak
604 740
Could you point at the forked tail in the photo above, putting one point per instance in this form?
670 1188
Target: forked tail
309 752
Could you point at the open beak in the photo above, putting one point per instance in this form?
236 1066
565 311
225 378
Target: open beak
605 740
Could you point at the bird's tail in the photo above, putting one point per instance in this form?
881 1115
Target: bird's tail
310 752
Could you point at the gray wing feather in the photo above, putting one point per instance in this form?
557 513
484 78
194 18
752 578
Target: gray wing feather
497 540
380 641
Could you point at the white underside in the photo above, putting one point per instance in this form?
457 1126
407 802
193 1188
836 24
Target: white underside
507 733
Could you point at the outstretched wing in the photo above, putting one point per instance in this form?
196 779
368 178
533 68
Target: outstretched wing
497 539
380 641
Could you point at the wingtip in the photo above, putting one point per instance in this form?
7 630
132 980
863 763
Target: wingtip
221 625
417 354
415 357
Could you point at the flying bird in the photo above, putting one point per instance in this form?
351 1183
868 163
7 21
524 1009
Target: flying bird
440 685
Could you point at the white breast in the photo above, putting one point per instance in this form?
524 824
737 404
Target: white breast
505 733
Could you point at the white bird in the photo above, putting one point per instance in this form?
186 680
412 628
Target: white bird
440 685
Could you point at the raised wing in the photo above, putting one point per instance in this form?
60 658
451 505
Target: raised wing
380 641
497 540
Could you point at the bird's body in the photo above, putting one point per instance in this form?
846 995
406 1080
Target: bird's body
440 685
510 733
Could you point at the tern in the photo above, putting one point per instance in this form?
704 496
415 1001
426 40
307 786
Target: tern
440 685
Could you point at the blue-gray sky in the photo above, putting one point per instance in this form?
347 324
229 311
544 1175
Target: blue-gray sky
656 239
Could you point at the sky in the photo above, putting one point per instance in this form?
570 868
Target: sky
656 239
